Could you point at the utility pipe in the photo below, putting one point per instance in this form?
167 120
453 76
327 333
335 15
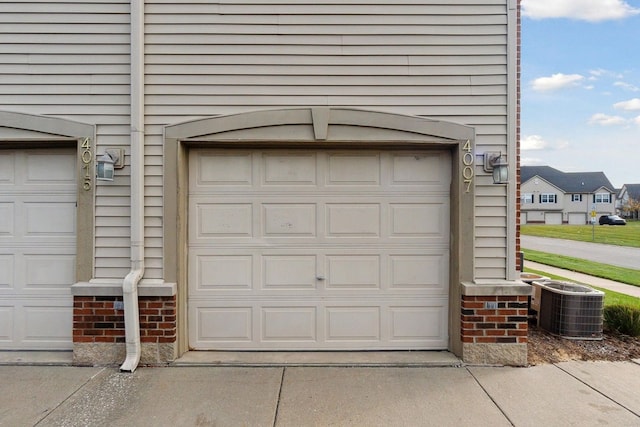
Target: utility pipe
130 283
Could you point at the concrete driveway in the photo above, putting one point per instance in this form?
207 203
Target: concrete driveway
571 393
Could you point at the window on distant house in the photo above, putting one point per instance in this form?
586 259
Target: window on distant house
602 198
576 197
527 198
548 198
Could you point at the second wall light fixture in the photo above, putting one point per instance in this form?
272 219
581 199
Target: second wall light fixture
106 163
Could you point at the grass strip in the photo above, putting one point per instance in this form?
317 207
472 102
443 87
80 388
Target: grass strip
628 235
605 271
610 297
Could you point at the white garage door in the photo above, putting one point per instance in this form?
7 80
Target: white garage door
553 218
577 219
37 248
318 249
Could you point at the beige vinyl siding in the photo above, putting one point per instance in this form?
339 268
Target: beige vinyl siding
70 59
440 59
445 60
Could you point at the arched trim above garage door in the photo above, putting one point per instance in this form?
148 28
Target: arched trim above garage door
319 124
23 131
323 127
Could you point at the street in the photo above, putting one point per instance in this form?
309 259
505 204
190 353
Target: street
620 256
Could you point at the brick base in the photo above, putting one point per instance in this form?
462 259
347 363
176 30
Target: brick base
99 334
494 329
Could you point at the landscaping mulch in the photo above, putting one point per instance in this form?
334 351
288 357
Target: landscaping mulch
544 347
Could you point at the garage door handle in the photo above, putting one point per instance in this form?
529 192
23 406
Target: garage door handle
320 278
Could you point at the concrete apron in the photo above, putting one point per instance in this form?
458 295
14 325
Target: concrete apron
266 358
322 358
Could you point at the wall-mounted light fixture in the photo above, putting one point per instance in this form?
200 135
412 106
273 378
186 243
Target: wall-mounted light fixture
499 168
113 158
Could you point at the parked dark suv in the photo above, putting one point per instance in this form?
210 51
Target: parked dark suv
612 220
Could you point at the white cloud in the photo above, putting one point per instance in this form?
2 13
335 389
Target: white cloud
627 86
556 82
601 72
532 161
536 142
637 120
583 10
533 142
606 120
630 105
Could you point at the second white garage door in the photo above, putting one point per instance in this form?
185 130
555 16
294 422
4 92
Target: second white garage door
37 248
318 250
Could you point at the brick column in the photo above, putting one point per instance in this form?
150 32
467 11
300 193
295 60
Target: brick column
490 324
99 334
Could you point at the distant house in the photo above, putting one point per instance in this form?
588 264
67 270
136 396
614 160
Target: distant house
551 196
628 203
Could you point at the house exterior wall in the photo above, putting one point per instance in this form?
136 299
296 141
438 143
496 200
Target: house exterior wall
442 60
450 61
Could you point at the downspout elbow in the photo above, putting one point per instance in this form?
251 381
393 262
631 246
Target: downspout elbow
131 316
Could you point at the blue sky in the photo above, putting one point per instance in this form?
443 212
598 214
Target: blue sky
581 86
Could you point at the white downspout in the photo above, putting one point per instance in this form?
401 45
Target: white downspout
130 284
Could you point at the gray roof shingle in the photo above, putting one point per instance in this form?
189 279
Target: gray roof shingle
569 182
633 190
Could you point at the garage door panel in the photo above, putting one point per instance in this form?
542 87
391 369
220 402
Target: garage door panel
427 272
352 272
223 220
417 323
347 250
290 272
289 169
420 169
7 169
48 322
265 271
289 324
289 219
222 169
7 210
355 220
50 219
49 271
222 272
7 262
411 220
343 171
228 324
36 324
7 315
336 325
49 169
353 324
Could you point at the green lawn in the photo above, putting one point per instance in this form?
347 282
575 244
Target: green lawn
618 274
628 235
610 297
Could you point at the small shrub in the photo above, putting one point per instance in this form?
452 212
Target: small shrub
623 318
